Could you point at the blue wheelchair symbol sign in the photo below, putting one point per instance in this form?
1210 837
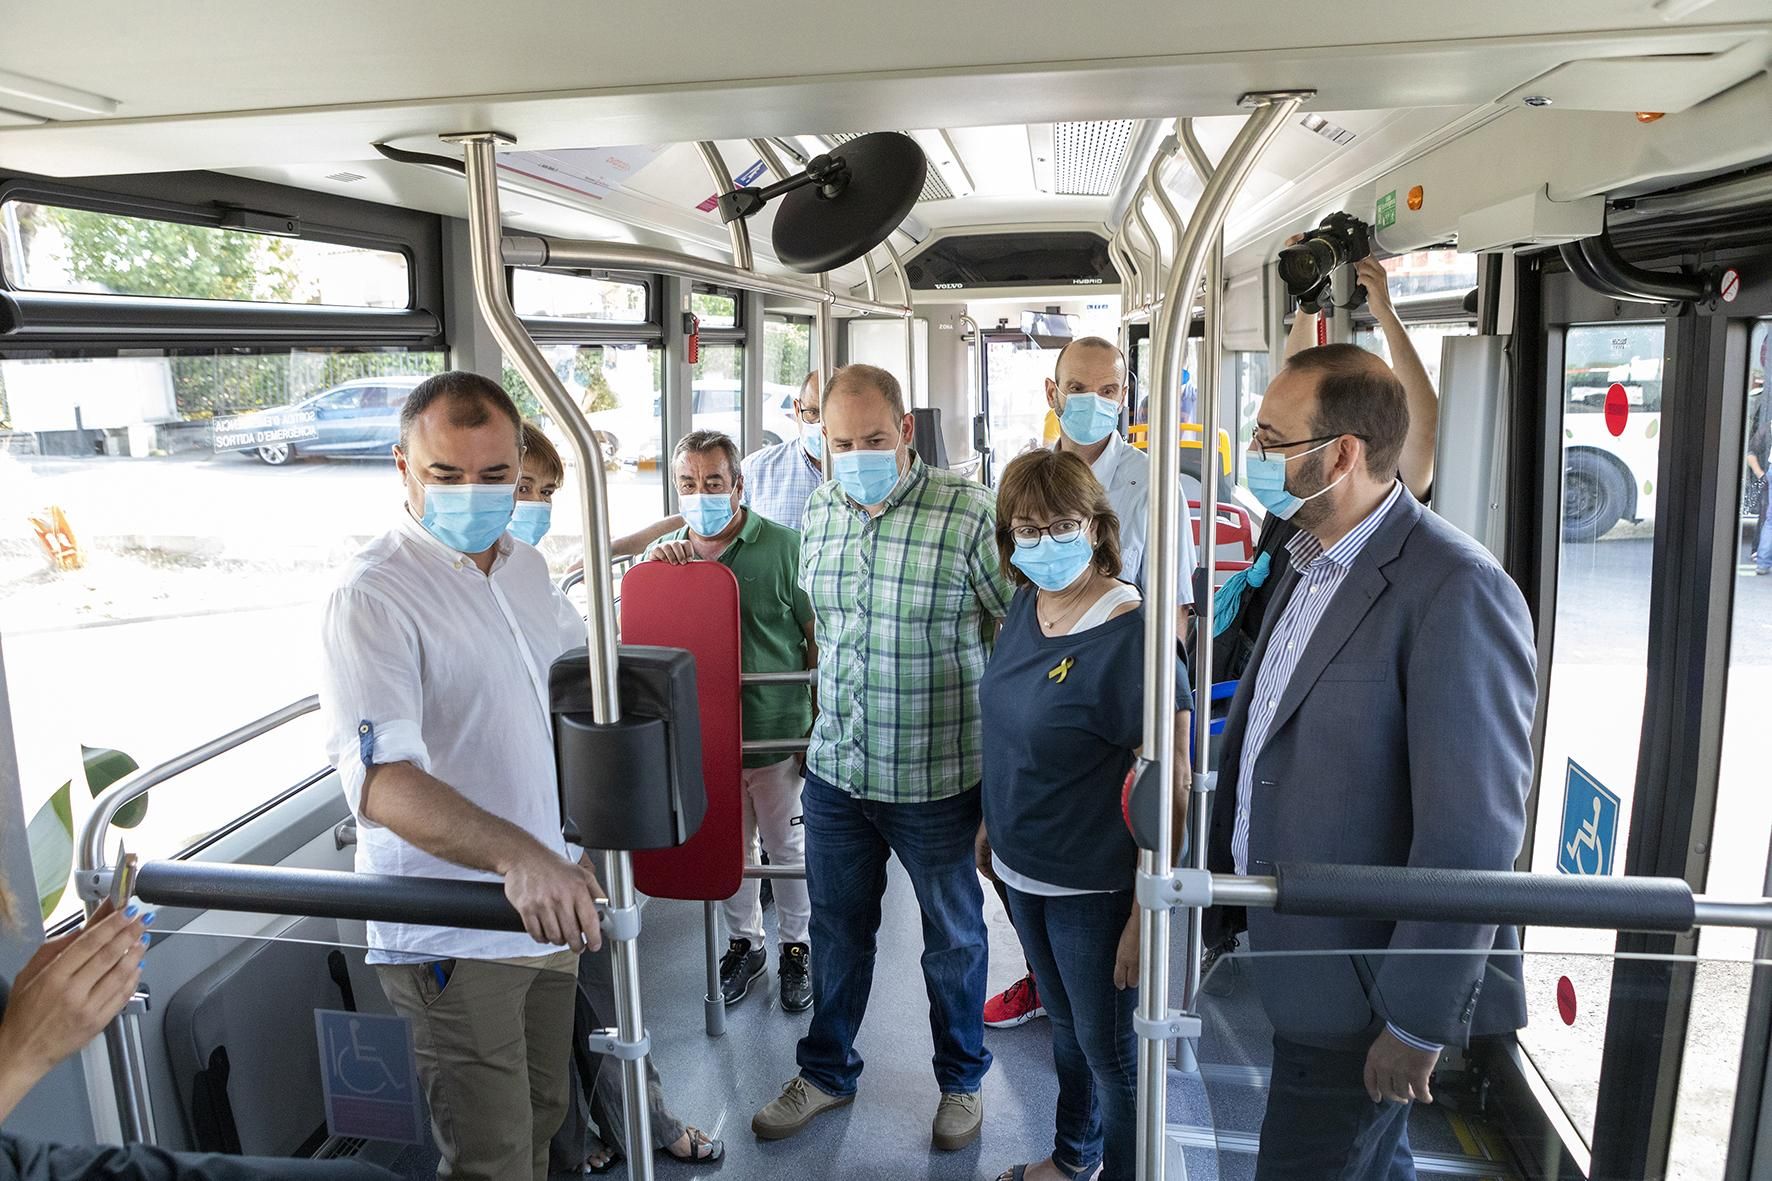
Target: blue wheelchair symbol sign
1590 825
368 1076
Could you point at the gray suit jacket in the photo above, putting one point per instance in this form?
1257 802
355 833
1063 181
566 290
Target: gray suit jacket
1403 738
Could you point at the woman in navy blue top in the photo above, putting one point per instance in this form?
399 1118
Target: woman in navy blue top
1063 712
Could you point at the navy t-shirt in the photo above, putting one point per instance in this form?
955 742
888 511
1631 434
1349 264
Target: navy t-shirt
1058 741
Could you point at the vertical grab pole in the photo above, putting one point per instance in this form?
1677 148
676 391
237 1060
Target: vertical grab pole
1269 111
491 295
1211 356
1154 182
714 1003
1139 302
910 323
1153 272
737 229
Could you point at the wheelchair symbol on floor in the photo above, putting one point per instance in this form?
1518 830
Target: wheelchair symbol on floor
359 1065
1590 825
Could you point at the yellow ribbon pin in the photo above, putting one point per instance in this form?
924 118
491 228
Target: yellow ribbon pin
1063 670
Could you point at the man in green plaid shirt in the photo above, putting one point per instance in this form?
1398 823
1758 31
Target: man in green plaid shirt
900 561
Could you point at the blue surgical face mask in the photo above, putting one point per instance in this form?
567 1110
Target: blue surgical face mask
707 514
1088 418
468 517
1053 565
867 476
530 520
813 441
1267 482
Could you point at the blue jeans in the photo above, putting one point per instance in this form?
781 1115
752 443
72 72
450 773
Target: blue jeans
1763 551
1071 943
1321 1125
847 843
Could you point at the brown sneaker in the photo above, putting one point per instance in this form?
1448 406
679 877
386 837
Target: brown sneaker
794 1108
958 1120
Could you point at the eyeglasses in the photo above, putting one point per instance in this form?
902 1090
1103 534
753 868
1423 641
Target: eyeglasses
1261 449
1028 536
809 415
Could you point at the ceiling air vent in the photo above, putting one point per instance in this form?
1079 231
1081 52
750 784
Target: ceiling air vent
1329 131
934 188
1088 157
345 178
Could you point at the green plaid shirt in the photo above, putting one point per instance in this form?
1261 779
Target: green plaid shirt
902 603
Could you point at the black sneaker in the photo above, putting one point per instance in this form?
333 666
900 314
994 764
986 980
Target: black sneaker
796 977
738 967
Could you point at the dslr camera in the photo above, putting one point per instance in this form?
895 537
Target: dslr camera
1341 240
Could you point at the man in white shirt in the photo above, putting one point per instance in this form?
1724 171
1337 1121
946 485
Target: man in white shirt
1087 392
437 645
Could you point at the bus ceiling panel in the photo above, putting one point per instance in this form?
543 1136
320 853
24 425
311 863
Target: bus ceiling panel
1541 168
345 53
292 107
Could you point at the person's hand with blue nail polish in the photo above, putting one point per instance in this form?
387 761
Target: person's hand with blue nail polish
65 995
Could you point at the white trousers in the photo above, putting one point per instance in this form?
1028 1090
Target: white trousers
771 799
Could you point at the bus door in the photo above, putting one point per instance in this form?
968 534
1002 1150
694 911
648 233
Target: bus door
1642 1053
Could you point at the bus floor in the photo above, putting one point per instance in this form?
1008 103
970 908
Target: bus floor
717 1084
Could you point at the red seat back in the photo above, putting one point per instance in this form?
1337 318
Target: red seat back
695 607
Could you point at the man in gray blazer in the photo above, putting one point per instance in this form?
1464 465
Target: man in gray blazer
1385 719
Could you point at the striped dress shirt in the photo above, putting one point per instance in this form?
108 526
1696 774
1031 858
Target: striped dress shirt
1320 574
778 481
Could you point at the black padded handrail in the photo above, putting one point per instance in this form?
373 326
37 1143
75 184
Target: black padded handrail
327 894
1623 276
1484 896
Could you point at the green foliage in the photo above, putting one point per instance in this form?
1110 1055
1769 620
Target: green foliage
219 384
787 351
51 831
586 376
137 256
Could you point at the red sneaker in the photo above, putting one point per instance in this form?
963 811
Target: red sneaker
1016 1005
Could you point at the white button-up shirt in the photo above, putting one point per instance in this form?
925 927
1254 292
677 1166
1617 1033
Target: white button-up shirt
428 661
1125 472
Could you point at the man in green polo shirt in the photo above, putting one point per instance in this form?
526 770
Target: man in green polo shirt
775 635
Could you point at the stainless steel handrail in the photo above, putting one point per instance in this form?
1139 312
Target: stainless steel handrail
492 296
798 676
910 323
92 881
549 252
738 229
125 792
1166 520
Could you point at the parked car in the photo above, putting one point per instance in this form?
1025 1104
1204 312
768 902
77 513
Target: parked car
356 418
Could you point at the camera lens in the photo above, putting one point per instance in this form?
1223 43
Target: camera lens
1307 264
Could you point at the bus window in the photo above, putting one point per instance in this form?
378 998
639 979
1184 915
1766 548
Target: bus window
1599 661
1252 377
172 525
1738 851
719 390
89 253
619 387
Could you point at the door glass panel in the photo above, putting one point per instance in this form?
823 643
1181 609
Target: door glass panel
719 382
618 385
1016 371
1739 834
173 525
1599 658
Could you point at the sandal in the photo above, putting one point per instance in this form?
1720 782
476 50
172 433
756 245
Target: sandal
703 1148
1017 1173
611 1160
